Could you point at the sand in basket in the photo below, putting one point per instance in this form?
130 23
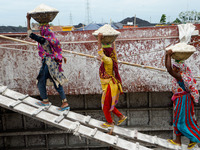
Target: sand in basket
181 51
109 34
43 13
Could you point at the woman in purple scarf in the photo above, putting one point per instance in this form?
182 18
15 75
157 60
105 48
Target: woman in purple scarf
51 54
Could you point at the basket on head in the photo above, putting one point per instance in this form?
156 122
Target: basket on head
107 39
181 55
43 13
109 34
181 51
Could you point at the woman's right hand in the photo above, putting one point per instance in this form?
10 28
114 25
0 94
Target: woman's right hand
65 60
28 21
169 52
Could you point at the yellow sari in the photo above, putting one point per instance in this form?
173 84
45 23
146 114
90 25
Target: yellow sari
115 85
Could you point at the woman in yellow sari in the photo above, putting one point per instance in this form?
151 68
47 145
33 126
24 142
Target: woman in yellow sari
110 82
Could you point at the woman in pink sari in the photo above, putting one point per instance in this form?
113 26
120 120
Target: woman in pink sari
185 95
51 55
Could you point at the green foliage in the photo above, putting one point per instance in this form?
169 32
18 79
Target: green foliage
163 19
177 21
189 16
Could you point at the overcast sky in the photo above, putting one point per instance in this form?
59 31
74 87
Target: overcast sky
13 12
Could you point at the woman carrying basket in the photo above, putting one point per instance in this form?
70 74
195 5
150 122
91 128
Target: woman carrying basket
51 54
110 82
185 95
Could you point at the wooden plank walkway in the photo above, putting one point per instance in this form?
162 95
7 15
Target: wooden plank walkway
79 124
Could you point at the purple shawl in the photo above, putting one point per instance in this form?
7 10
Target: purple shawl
56 54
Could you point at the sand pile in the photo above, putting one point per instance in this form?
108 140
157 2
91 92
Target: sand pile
106 30
43 13
182 47
109 34
181 51
43 8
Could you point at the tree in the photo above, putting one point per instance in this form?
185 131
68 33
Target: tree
177 21
163 18
189 16
182 16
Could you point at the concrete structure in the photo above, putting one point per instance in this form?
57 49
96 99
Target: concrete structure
146 101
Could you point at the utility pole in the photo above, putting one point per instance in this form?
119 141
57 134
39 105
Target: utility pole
135 21
70 18
88 17
169 19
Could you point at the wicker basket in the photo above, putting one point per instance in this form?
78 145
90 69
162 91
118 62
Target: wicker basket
181 55
107 39
44 17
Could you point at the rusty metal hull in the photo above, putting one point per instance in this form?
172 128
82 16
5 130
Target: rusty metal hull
20 63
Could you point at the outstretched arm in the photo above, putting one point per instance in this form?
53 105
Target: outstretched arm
28 21
100 35
114 45
169 67
33 36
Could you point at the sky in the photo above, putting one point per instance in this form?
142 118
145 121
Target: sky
13 12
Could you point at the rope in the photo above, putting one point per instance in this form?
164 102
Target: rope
17 40
86 55
71 42
92 42
15 49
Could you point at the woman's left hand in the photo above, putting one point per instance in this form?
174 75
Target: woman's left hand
28 16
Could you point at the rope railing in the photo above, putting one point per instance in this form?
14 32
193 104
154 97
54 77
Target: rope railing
93 41
86 55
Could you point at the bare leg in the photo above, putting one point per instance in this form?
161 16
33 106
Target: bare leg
178 139
45 102
121 117
64 103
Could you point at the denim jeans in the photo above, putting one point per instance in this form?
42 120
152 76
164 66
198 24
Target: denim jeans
42 80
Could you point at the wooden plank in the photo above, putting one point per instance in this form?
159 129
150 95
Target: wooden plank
94 132
75 127
25 108
62 116
37 111
94 123
23 97
15 104
6 101
2 89
13 94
